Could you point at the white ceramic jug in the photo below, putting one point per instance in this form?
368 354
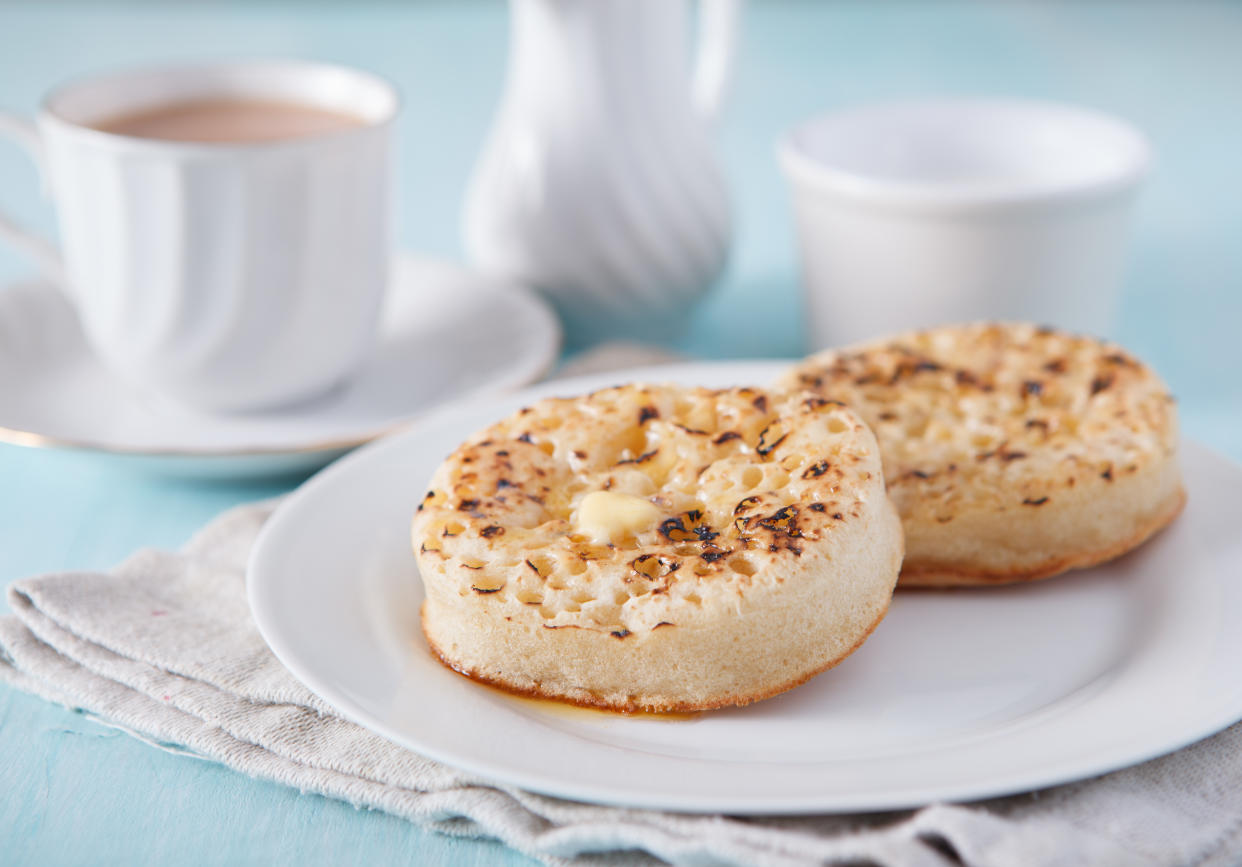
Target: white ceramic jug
598 184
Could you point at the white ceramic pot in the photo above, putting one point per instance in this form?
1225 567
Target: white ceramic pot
921 213
598 183
226 276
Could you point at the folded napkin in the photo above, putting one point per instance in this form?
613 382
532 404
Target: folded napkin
163 648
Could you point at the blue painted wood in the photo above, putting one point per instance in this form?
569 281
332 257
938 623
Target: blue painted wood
72 792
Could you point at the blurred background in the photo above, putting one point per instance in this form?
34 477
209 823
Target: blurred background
1171 68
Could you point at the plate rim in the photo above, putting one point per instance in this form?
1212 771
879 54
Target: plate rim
1070 770
540 366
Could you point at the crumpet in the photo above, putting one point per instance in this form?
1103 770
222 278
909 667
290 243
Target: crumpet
658 548
1013 452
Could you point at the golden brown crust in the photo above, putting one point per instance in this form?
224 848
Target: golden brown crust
765 549
599 703
1012 452
741 480
933 577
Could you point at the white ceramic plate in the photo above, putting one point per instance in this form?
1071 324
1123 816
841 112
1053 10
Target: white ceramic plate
957 695
446 333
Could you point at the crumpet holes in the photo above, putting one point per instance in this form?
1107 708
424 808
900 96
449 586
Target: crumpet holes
694 458
742 566
648 567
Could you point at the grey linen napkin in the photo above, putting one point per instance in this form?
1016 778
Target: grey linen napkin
163 648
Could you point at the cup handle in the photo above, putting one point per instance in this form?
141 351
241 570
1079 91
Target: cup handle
41 250
719 22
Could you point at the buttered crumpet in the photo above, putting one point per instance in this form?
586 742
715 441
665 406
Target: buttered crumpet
658 548
1012 452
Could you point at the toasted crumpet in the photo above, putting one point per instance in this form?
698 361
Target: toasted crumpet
658 548
1013 452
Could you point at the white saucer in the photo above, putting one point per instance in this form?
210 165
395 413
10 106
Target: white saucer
447 333
957 695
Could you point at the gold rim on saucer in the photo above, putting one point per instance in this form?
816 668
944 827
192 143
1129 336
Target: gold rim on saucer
30 439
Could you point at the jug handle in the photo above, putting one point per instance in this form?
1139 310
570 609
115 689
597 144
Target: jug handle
713 68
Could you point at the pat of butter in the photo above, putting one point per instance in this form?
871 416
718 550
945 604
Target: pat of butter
607 516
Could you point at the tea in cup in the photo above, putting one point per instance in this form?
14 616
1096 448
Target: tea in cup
224 228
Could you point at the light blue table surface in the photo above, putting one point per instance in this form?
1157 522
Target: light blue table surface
72 792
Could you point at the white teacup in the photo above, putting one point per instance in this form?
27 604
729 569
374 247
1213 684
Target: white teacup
228 275
922 213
